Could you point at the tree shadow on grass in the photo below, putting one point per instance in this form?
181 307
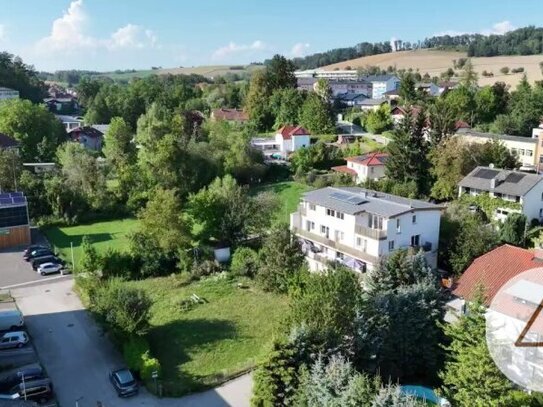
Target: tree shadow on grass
172 343
62 241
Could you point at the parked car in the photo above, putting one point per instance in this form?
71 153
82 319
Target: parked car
16 339
11 319
124 382
14 377
38 253
40 390
49 268
33 247
38 261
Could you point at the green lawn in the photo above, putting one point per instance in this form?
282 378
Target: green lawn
288 193
108 234
211 342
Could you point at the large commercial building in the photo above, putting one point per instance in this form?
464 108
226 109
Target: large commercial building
356 227
14 222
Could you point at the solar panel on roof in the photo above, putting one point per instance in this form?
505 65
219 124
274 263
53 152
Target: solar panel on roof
4 196
356 200
485 173
19 199
5 201
339 196
13 194
514 177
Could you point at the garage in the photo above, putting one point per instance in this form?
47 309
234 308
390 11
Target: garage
14 222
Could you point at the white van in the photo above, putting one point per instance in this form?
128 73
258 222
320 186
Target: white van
11 319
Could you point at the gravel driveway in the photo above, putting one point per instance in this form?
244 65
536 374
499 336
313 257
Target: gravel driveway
78 356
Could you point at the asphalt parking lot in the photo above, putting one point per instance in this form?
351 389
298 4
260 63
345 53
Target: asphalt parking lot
15 271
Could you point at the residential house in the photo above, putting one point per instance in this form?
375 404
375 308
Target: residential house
429 88
392 95
356 227
525 148
8 143
7 93
287 140
371 104
88 137
364 167
446 86
521 188
14 222
351 99
537 134
229 115
70 122
382 84
399 112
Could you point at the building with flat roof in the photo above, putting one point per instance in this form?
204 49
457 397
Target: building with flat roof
357 226
14 221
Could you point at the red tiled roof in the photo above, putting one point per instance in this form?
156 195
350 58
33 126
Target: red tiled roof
7 141
344 169
461 125
230 115
494 269
288 131
370 160
415 110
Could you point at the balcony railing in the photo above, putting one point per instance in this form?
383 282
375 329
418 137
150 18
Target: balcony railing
348 250
371 233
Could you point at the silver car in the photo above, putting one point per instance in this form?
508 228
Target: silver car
49 268
13 340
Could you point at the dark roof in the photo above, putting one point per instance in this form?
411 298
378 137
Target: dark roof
493 270
230 114
372 159
88 131
7 141
351 96
491 136
505 182
393 92
353 200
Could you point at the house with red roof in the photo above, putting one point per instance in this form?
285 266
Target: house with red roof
88 136
291 138
364 167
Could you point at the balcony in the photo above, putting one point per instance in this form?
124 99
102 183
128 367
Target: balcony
350 251
376 234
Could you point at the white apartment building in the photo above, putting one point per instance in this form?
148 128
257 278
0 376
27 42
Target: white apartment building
513 186
356 227
524 148
7 93
323 73
382 84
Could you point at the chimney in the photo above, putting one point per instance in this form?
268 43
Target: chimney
491 165
493 183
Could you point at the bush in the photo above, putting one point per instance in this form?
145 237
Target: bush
517 70
148 366
205 268
504 70
118 264
244 262
137 356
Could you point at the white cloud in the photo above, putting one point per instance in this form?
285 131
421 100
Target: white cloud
68 33
235 49
497 29
299 49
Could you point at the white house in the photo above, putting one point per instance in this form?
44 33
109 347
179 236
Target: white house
512 186
7 93
356 227
364 167
70 122
287 140
382 84
429 88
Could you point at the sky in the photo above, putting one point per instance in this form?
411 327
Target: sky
138 34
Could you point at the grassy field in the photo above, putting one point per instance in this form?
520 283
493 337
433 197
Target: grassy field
288 193
434 62
214 341
108 234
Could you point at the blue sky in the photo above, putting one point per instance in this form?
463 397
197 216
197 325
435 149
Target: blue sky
122 34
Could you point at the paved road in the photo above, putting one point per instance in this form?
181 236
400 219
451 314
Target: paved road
78 356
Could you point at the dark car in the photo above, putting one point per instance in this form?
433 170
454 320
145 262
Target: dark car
33 247
124 382
38 261
38 253
15 377
40 390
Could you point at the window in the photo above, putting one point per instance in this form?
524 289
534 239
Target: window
398 226
312 207
514 151
309 225
339 215
330 212
415 240
375 222
540 212
372 170
323 229
362 243
414 219
521 151
390 245
340 255
529 153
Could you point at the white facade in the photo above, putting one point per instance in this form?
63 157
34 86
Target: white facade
379 87
366 172
322 73
7 93
289 145
360 239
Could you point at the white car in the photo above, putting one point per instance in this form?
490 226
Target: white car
49 268
13 340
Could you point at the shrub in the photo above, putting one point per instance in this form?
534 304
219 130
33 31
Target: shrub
205 268
517 70
118 264
148 366
137 356
244 262
504 70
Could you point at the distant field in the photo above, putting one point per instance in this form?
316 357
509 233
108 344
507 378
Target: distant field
434 62
103 235
209 71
